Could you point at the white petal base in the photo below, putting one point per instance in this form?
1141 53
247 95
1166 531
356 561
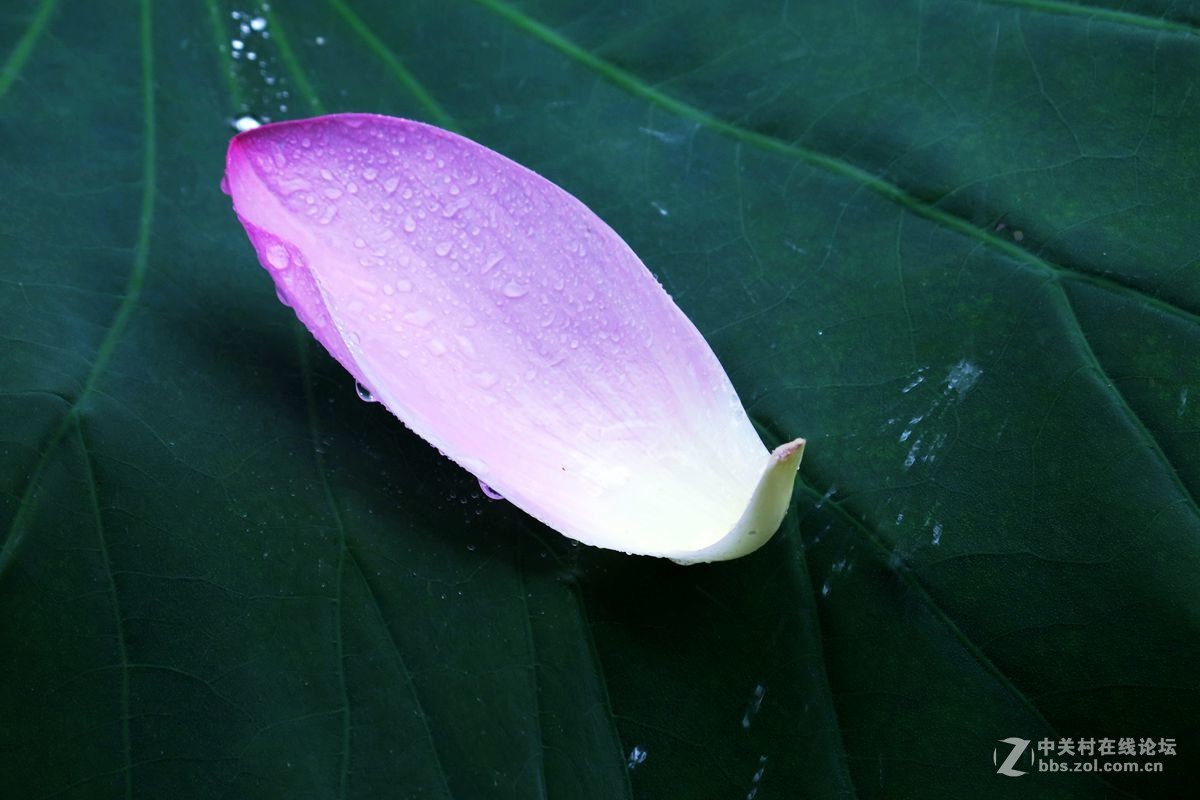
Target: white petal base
763 516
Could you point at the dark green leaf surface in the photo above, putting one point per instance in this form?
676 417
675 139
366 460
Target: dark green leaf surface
953 243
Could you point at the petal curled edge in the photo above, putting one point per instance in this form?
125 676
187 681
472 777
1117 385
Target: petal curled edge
505 323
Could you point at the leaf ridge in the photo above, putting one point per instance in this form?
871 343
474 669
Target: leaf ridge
25 46
393 62
590 638
302 339
900 568
412 685
288 56
920 207
533 677
133 289
1090 12
800 565
1142 430
122 648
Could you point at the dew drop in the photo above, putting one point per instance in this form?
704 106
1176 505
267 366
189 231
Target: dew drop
258 24
333 193
489 492
247 123
442 249
224 185
369 174
410 224
420 317
455 206
363 393
491 262
390 184
277 256
514 290
282 297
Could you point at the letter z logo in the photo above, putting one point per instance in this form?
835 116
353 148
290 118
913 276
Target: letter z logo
1018 747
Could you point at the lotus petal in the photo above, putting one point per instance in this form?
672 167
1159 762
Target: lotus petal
506 324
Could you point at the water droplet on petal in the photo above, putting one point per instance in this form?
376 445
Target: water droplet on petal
514 290
282 297
224 185
443 248
421 317
277 256
243 124
489 492
363 393
454 206
465 345
491 262
410 224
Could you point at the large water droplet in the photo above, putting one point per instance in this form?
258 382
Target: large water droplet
410 224
515 290
455 206
243 124
224 185
277 256
443 248
420 317
489 492
364 393
282 297
465 345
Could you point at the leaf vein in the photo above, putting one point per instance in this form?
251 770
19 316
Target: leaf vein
925 209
